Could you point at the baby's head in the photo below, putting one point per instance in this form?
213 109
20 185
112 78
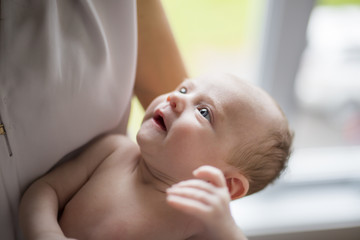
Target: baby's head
220 121
264 137
260 130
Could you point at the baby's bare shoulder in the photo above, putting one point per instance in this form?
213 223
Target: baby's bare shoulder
117 142
120 148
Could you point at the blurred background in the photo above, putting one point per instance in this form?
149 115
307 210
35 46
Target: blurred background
306 54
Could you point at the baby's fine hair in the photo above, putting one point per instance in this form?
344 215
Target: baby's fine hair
263 160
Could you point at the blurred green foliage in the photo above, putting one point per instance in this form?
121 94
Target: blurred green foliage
211 22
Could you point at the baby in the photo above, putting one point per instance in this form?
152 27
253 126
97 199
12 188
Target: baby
210 141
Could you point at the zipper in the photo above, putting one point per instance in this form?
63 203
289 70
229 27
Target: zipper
3 133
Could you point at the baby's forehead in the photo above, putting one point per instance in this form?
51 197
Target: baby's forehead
230 89
223 82
239 98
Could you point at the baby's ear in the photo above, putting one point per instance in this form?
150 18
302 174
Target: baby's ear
237 184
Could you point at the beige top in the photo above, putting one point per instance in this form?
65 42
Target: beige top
67 73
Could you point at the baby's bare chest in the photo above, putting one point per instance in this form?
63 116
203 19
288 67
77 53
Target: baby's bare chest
113 205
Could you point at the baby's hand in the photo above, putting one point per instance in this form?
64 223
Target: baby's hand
206 197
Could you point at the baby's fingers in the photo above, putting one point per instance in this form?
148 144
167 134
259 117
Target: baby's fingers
198 184
210 174
188 205
199 195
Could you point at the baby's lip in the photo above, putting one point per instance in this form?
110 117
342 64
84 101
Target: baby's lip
159 119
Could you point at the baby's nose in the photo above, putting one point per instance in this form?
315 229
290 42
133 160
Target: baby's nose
176 102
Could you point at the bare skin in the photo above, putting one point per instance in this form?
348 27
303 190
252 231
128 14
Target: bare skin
106 209
136 200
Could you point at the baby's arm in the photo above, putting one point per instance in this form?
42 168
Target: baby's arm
207 198
45 197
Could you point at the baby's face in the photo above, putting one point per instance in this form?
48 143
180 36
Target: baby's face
200 123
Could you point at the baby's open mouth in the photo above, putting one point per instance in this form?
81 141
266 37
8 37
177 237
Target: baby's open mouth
160 121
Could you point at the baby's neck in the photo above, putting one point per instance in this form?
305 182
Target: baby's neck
148 175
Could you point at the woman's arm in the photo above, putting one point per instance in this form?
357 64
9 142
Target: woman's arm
42 201
160 68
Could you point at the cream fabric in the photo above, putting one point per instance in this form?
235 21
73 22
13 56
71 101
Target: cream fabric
67 73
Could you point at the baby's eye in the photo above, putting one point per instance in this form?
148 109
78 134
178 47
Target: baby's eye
205 113
183 90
